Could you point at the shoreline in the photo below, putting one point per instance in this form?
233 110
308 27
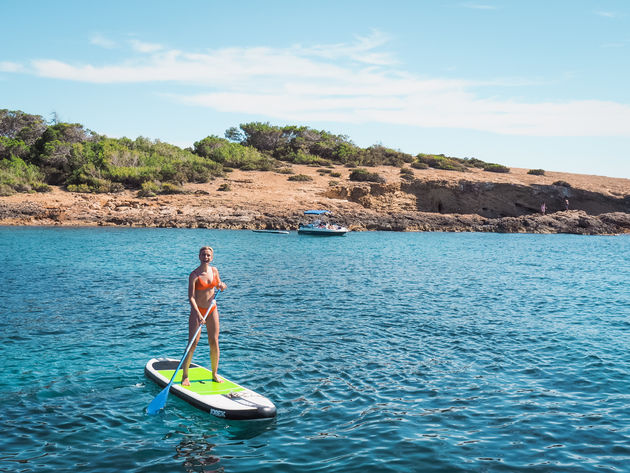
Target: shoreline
432 200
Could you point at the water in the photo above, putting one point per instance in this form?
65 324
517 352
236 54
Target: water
421 352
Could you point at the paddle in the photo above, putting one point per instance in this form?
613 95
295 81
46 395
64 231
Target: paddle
159 401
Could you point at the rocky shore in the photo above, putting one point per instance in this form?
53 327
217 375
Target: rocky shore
430 200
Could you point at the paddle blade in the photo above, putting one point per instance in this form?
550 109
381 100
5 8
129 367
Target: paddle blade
159 401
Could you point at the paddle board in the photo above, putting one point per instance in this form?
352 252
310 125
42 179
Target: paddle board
226 400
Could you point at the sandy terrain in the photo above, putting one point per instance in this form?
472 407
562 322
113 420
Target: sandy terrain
256 197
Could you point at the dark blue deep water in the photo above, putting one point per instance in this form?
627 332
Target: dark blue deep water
387 352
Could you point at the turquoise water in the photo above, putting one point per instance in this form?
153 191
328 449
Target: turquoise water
423 352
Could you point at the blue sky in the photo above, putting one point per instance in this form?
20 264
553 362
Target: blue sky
535 84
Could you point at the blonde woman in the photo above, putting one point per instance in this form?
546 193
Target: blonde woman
202 283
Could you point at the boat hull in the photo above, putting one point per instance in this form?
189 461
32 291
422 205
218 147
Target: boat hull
321 232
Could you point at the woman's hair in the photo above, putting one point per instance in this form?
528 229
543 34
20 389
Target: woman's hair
206 248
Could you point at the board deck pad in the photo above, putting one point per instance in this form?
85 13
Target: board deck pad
201 381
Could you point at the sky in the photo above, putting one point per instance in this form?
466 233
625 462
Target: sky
529 84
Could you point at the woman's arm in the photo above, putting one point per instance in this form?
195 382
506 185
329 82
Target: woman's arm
220 284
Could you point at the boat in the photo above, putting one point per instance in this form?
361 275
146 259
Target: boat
319 227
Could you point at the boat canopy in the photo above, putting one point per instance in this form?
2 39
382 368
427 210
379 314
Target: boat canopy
316 212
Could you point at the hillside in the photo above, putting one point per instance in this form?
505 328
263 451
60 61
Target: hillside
427 200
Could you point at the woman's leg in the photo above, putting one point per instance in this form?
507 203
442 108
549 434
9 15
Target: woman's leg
193 325
212 326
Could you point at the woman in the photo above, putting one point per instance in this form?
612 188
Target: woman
201 286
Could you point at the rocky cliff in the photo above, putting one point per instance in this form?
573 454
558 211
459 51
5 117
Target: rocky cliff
486 199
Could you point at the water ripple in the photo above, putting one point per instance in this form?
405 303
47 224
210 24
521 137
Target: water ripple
388 352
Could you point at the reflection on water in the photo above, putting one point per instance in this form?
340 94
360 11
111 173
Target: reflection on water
197 455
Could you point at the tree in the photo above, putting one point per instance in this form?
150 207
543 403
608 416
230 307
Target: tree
19 125
234 134
262 136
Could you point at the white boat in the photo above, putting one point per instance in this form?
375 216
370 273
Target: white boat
317 228
320 228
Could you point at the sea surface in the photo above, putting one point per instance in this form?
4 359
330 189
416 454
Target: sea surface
384 352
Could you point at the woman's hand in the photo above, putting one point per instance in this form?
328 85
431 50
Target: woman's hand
222 286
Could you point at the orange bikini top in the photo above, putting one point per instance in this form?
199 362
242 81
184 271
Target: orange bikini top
202 286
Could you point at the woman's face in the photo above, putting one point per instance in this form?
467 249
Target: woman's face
205 256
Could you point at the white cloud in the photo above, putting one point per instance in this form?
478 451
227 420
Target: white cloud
226 67
143 47
353 82
446 109
479 6
361 51
606 14
620 44
98 39
7 66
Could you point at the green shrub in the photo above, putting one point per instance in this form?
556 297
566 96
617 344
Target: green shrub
419 165
333 183
97 186
79 188
302 157
472 162
363 175
562 183
41 187
346 153
134 176
16 175
335 174
194 169
324 171
225 187
6 190
491 167
149 189
284 171
128 163
300 178
89 178
407 174
439 161
536 172
233 155
13 147
378 155
170 188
